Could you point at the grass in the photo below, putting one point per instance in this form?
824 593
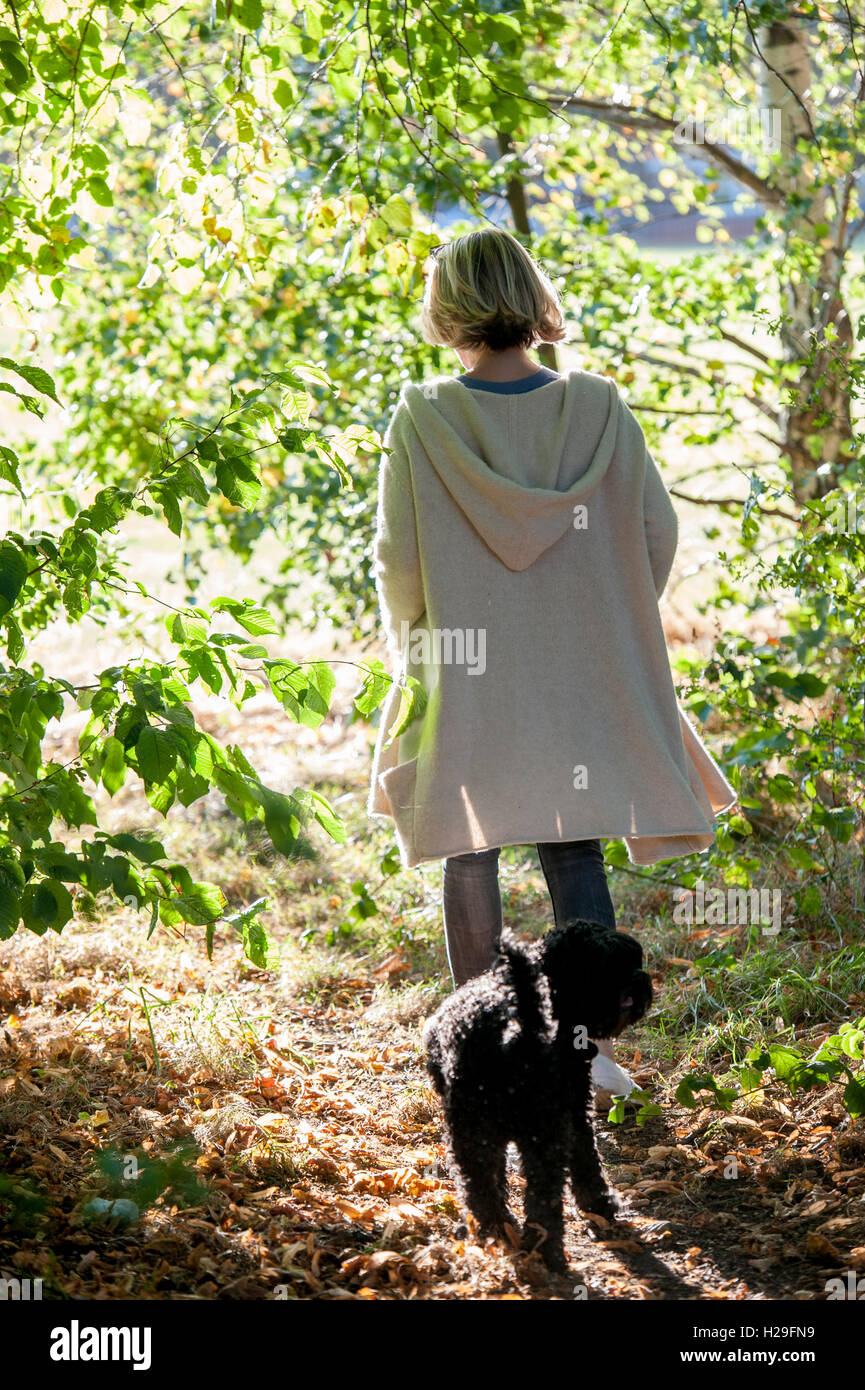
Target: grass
719 991
302 1088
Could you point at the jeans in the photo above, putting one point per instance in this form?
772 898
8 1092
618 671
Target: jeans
472 904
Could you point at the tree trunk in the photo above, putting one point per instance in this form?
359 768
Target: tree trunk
817 424
516 195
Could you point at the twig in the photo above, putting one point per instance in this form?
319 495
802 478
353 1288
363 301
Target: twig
731 502
152 1034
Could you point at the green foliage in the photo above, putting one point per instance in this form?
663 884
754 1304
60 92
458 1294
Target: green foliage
144 1179
21 1203
831 1064
645 1108
258 947
140 722
242 255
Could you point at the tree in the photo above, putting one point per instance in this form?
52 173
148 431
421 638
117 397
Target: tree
233 211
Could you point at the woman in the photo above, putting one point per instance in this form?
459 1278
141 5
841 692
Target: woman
524 536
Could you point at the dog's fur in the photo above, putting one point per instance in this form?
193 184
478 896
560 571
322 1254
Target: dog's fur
510 1055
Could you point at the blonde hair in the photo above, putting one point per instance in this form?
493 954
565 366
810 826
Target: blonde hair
485 290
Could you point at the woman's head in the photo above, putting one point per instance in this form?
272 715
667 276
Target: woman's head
486 292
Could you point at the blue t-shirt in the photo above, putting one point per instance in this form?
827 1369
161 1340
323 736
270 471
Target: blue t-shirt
512 388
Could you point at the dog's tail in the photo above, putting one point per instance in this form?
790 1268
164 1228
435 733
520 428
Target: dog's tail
430 1039
523 974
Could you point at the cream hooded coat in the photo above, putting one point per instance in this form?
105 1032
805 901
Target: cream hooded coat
522 544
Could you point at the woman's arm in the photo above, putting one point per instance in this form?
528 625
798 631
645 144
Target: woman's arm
659 515
396 559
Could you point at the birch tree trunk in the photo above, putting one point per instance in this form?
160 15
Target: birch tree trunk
816 334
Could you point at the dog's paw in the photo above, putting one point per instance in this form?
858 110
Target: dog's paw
605 1204
536 1241
508 1229
555 1261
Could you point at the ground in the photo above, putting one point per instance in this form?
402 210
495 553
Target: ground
293 1105
296 1105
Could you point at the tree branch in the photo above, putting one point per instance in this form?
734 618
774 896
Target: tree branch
727 502
710 380
746 347
633 117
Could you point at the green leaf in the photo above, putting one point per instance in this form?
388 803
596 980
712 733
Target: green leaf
327 817
258 947
186 627
256 620
749 1077
282 819
690 1085
320 686
412 703
283 93
239 482
9 465
397 214
99 191
46 903
36 377
854 1098
305 691
248 14
784 1060
156 755
13 575
11 58
147 851
374 690
202 903
114 766
10 911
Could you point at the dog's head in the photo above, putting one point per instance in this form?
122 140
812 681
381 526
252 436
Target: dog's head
596 978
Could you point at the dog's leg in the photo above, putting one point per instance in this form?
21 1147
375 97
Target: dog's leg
544 1171
589 1186
478 1168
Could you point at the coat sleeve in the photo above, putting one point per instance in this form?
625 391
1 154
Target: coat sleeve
396 556
660 523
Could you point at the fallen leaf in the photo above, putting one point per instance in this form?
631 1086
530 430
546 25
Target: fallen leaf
818 1247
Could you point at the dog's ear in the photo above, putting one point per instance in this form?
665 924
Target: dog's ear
630 947
574 956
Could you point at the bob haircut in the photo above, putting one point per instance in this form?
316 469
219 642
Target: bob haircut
486 291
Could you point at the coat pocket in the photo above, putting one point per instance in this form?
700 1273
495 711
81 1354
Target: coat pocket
398 784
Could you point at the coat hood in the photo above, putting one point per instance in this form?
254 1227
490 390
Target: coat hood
468 436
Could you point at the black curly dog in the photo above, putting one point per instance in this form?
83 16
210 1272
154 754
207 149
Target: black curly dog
510 1055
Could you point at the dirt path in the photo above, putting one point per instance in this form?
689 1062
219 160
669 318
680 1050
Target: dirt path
317 1148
